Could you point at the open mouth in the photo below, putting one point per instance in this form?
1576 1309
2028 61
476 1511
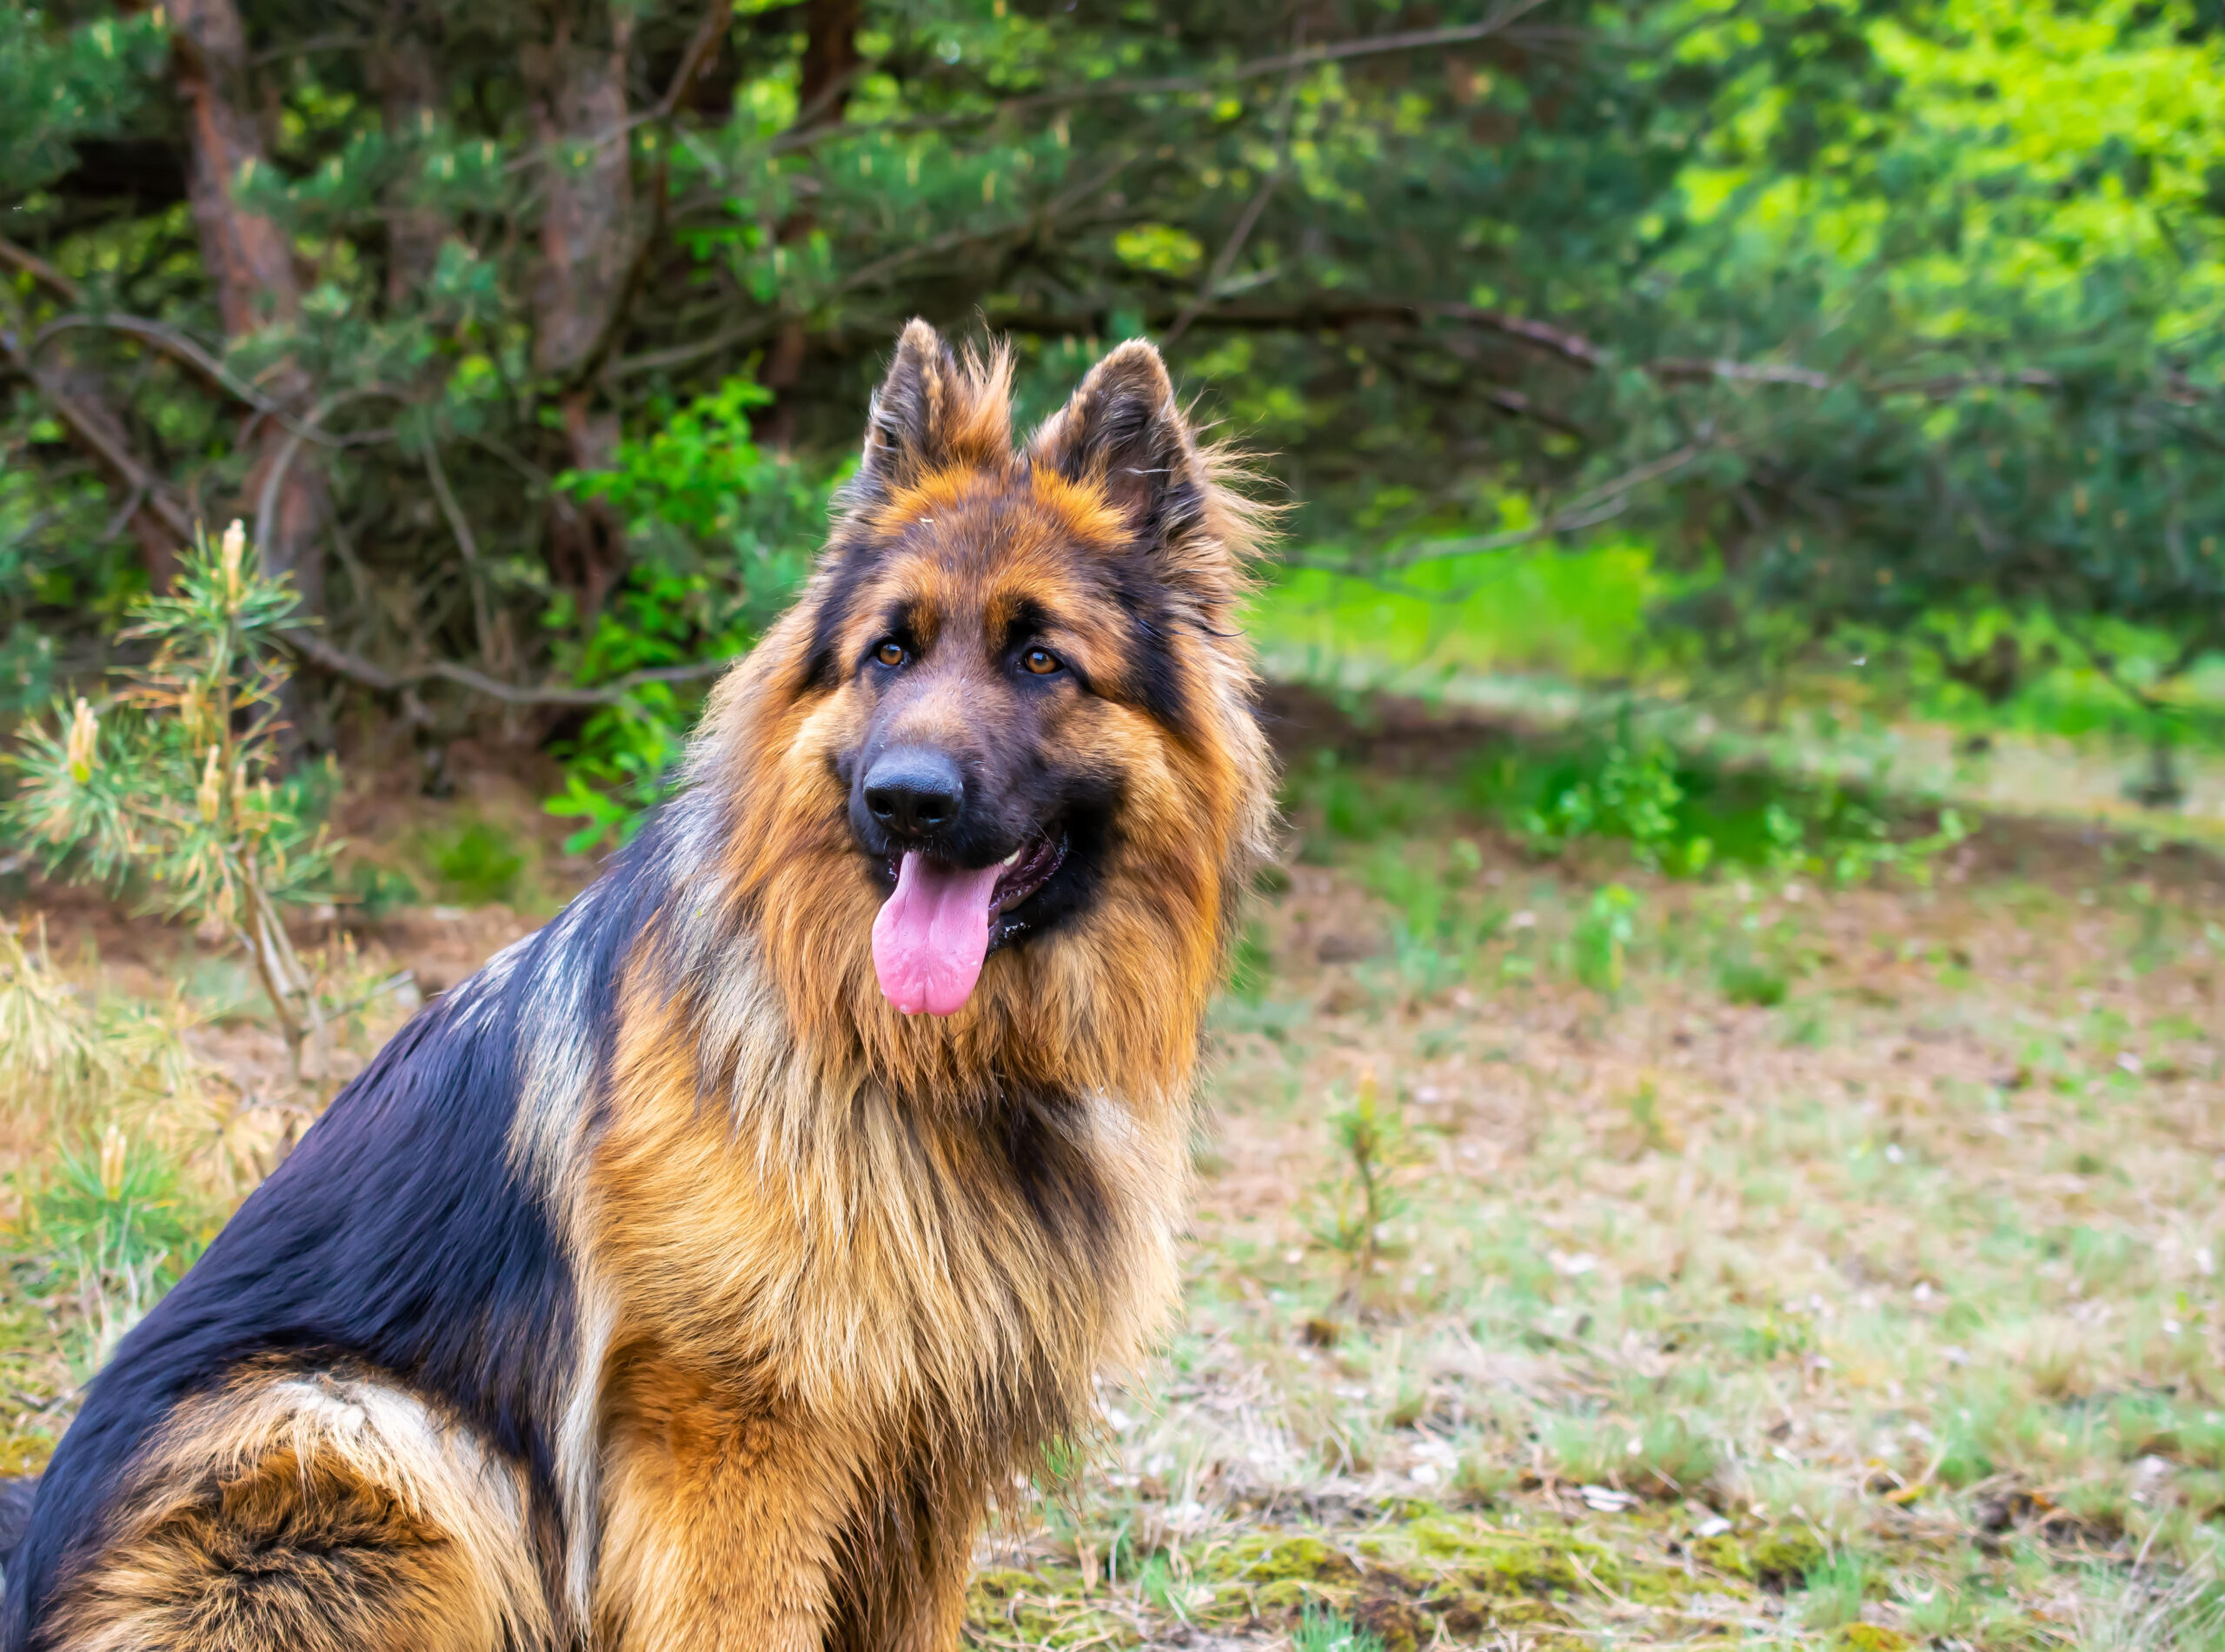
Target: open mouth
932 934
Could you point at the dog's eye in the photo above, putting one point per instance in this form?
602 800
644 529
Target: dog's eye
891 653
1042 661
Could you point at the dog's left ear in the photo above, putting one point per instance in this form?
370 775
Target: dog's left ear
1123 433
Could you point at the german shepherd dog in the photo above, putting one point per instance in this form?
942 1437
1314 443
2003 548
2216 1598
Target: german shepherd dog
695 1275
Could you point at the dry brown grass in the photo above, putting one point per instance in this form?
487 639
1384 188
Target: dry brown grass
1885 1315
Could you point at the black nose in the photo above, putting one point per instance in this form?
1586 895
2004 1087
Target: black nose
912 790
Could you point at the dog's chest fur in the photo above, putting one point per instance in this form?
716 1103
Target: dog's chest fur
804 1237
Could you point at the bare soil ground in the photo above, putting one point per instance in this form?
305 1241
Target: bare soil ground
1801 1265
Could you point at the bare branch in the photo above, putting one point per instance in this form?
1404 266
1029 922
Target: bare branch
94 431
1257 69
459 524
357 669
26 261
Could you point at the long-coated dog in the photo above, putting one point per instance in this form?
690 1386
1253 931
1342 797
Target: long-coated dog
691 1277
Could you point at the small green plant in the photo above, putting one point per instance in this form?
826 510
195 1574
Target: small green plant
112 1215
1745 977
1322 1630
1833 1592
179 791
476 865
1602 940
1631 792
1370 1136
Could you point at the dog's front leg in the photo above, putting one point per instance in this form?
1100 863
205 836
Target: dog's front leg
721 1531
906 1560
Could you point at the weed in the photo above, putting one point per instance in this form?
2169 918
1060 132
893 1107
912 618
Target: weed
1831 1593
476 865
1629 791
1744 979
112 1215
1321 1630
72 1055
2150 1613
1603 938
1370 1136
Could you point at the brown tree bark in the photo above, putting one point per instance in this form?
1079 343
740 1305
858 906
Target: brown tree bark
831 61
588 245
403 73
250 261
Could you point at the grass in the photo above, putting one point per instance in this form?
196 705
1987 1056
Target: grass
1752 1255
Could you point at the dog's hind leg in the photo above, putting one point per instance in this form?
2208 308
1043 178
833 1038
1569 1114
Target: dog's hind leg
311 1514
291 1556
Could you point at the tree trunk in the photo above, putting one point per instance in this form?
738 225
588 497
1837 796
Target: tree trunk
830 68
588 245
249 259
830 61
402 72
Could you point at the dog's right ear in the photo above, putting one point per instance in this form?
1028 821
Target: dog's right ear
935 410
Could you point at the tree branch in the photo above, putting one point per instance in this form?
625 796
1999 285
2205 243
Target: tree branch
340 663
96 431
1257 67
26 261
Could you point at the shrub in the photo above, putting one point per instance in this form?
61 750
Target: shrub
176 787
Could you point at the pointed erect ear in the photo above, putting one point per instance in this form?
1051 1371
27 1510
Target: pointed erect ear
935 409
1123 432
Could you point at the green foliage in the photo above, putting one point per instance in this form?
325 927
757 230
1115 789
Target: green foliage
1322 1630
179 793
64 79
476 864
114 1215
1631 794
1818 333
723 532
1371 1139
1602 936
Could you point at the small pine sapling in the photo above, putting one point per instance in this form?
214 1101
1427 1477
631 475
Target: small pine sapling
173 787
1371 1139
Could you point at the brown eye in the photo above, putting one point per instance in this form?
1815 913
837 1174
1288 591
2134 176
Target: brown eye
891 653
1042 661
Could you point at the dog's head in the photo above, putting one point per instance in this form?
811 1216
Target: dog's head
1018 716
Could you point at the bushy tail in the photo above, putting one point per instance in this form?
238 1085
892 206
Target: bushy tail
14 1518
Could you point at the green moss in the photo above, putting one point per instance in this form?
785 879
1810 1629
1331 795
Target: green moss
1284 1595
1725 1554
1782 1557
1278 1556
1044 1609
1868 1637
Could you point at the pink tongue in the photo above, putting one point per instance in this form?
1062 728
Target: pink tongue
933 933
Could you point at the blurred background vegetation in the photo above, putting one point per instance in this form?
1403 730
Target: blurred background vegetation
1776 358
